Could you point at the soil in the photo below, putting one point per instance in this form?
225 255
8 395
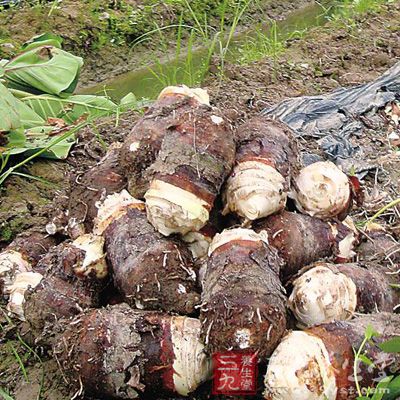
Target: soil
326 58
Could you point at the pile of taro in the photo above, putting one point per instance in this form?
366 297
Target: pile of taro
191 238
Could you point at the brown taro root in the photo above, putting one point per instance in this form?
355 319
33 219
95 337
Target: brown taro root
301 239
120 353
177 157
153 272
105 178
317 364
379 245
243 305
266 158
322 190
142 145
73 275
17 263
327 292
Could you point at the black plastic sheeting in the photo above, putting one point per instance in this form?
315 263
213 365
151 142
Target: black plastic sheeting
333 118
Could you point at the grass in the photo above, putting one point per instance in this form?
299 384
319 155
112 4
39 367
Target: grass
22 355
195 45
264 43
347 11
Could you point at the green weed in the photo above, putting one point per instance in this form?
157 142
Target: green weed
388 206
195 45
347 12
263 44
388 387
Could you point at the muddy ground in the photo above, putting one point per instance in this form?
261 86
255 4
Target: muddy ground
326 58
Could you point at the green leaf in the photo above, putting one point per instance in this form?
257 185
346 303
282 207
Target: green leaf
9 117
45 39
93 106
391 346
16 139
381 387
29 118
5 395
363 358
394 389
38 138
128 102
70 108
46 69
370 332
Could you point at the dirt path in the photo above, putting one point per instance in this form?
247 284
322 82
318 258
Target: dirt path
324 59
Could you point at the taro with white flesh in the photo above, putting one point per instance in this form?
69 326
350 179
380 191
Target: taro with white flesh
74 275
23 282
302 240
122 353
177 157
105 178
17 263
265 160
12 263
199 244
327 292
243 305
22 255
322 190
82 258
151 271
317 364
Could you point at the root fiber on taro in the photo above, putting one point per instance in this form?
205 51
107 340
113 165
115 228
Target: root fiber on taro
105 178
151 271
73 276
243 305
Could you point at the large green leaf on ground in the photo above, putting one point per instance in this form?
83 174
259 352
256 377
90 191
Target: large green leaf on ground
38 138
70 108
45 39
9 116
29 118
47 69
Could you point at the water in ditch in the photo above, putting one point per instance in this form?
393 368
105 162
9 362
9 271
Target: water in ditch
144 83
